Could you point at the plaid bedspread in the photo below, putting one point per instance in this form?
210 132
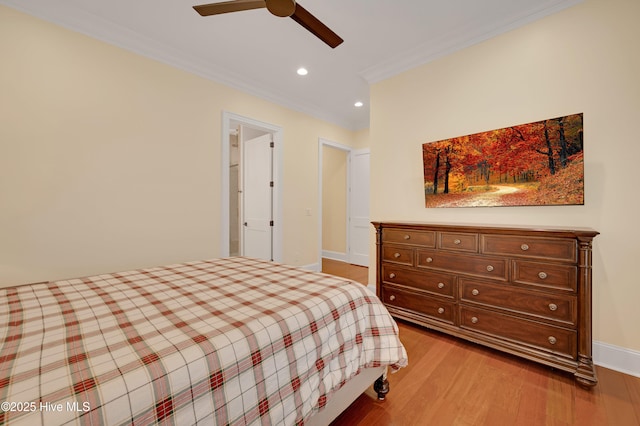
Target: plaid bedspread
224 341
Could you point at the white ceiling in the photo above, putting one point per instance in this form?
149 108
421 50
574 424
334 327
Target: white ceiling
259 53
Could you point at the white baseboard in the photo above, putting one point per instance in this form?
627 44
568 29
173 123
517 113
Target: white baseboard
616 358
335 255
315 267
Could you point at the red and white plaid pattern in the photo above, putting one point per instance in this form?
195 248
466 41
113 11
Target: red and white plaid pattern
226 341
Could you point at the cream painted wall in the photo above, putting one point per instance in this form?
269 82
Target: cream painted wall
362 139
334 199
111 161
584 59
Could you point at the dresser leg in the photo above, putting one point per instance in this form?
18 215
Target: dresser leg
586 373
381 386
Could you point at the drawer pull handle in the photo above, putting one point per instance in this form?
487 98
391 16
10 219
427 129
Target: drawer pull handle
474 320
440 285
489 268
392 275
429 259
475 292
553 307
552 340
441 310
457 242
396 255
392 297
407 237
524 247
542 275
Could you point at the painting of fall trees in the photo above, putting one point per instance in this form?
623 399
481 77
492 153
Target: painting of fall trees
534 164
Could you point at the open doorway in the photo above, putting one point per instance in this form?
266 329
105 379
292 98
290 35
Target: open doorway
334 196
251 188
344 203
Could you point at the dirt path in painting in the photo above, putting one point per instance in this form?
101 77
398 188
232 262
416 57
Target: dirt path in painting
486 199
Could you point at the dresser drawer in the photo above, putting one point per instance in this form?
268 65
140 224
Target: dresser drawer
395 254
402 236
484 266
556 307
557 340
562 277
439 309
434 282
458 241
564 249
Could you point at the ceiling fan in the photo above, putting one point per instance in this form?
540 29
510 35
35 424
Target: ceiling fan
281 8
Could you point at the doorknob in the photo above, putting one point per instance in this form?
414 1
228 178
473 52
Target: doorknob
245 224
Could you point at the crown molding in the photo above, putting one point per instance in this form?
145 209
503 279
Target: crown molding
453 42
106 31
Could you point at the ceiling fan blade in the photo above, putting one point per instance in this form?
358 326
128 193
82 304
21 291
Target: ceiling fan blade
313 24
228 6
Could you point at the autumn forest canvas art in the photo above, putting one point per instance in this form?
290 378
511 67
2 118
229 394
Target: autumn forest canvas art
534 164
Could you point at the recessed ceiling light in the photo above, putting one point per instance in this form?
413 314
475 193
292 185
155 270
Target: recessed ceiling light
358 104
302 71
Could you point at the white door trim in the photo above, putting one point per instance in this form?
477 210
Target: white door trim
227 118
321 144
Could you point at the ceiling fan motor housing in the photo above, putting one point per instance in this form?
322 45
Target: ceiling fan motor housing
281 8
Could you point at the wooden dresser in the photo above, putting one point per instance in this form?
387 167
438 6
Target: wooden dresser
524 291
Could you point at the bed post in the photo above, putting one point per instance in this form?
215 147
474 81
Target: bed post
381 386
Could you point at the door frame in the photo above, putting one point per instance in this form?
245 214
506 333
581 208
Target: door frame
321 144
277 132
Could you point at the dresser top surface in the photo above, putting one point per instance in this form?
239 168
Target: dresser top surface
493 229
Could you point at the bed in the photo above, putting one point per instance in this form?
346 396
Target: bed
229 341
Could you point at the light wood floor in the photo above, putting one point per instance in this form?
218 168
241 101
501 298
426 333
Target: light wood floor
453 382
342 269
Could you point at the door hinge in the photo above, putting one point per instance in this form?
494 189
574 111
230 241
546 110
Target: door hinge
272 144
271 184
271 223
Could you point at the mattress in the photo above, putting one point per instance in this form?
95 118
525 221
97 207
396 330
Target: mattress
232 341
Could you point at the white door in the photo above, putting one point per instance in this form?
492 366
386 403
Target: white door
359 226
257 197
